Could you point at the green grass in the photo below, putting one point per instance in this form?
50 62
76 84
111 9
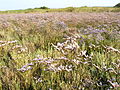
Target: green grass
68 9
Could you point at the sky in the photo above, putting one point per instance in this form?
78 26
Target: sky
24 4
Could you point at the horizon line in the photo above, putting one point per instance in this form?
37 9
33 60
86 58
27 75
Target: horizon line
54 8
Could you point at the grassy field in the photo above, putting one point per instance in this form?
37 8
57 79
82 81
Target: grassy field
68 9
76 49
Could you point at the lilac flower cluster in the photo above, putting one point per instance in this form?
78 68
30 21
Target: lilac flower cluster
5 43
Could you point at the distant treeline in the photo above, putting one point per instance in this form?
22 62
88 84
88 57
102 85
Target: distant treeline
43 7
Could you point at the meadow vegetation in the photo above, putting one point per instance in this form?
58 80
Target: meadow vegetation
60 50
67 9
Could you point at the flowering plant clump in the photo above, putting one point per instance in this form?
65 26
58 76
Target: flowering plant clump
73 58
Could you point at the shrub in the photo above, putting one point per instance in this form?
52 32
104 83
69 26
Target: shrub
117 5
44 7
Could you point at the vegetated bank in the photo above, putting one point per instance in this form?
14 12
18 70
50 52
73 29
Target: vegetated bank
67 9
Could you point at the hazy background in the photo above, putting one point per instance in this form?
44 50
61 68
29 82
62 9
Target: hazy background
24 4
